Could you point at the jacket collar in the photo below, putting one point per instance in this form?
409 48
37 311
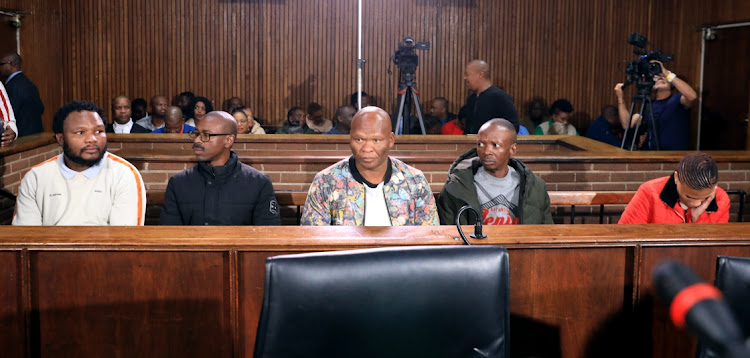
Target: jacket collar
220 172
359 178
670 196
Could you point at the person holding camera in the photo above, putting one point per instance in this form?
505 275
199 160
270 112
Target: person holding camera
671 111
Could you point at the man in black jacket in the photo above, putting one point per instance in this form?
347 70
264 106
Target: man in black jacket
220 190
23 95
121 118
487 101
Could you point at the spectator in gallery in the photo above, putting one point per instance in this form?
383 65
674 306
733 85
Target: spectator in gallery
253 127
200 109
174 122
296 123
535 114
456 126
439 110
186 102
607 128
343 120
366 100
486 101
560 111
315 119
139 109
159 106
231 103
121 118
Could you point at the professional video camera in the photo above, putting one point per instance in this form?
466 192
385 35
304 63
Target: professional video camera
405 58
642 70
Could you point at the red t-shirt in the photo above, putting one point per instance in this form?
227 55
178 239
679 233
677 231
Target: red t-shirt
451 128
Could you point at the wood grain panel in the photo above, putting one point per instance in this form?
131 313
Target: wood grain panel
602 288
12 338
131 304
277 54
674 342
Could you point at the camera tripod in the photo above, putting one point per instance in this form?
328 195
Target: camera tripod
404 118
643 97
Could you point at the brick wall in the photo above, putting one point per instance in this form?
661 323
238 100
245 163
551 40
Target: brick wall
12 169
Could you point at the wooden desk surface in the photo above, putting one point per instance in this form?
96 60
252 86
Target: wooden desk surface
576 290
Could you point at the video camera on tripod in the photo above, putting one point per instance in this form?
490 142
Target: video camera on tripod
407 61
642 72
405 58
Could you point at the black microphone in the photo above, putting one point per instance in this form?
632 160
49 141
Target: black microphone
699 307
477 225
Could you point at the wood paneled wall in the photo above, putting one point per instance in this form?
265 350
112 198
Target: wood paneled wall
275 54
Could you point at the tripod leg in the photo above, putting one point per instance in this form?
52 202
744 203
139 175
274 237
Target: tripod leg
650 109
638 126
418 106
627 127
399 114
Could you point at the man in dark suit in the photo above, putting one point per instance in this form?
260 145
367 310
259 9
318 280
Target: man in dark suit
23 94
121 120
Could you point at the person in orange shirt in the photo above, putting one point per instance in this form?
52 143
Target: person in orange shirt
689 195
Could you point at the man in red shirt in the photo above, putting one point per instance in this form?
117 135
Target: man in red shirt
689 195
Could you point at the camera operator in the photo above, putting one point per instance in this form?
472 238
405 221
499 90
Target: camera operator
671 111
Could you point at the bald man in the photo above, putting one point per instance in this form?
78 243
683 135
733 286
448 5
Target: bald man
220 190
370 188
122 122
498 186
174 122
155 120
487 101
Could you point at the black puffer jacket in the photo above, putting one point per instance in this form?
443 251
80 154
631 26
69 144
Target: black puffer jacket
459 190
232 194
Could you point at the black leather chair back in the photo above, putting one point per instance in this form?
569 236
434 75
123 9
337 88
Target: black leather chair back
396 302
733 280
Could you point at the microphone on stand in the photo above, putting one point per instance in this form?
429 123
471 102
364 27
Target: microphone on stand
477 225
700 308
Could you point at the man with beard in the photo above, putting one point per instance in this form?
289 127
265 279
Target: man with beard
220 190
85 185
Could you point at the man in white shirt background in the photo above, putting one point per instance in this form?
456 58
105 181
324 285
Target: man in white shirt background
122 122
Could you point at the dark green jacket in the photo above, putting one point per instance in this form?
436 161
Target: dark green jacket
285 129
459 190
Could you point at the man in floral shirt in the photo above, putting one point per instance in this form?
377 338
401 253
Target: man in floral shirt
370 188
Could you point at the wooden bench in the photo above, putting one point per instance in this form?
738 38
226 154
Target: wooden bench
557 198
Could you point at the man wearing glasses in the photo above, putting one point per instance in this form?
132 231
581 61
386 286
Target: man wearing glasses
220 190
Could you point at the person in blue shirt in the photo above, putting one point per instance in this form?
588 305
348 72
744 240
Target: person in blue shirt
342 120
607 128
671 111
174 122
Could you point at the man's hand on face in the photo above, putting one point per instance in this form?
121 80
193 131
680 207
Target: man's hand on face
8 136
695 213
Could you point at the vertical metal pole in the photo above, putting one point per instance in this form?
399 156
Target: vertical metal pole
360 61
700 87
18 41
